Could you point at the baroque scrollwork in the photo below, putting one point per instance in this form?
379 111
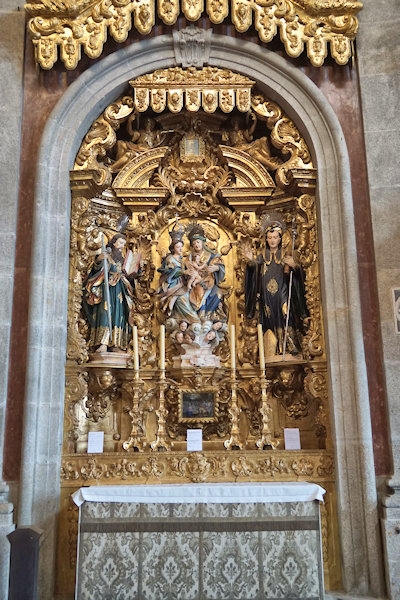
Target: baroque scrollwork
63 29
193 191
196 467
195 197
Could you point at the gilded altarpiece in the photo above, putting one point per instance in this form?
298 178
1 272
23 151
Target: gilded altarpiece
196 172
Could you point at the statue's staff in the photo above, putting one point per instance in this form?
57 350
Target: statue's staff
106 286
289 300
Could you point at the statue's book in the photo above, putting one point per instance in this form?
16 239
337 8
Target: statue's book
131 262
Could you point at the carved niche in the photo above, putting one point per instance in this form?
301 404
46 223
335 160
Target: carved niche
194 153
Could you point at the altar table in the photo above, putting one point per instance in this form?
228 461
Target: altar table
236 541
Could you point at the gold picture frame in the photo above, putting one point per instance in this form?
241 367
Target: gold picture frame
198 407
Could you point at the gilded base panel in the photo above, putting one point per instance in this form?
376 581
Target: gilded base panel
182 467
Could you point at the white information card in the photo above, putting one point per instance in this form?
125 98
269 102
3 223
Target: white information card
95 443
292 438
194 438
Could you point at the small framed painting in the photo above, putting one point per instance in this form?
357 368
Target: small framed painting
197 407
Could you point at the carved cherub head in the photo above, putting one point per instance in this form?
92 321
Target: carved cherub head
286 377
106 380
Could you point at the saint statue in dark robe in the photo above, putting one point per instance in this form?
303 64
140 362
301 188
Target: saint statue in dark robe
272 280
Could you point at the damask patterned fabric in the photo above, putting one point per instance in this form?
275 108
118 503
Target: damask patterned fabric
199 551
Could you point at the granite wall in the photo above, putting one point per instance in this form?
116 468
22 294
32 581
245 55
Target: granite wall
12 25
378 46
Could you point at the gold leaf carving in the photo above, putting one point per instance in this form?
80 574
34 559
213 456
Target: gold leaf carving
72 25
191 87
168 10
242 15
165 177
200 467
192 9
218 10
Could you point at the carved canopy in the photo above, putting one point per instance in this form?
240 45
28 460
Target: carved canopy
61 28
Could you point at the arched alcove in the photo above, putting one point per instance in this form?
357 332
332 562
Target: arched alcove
86 98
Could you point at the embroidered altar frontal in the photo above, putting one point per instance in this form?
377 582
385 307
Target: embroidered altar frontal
199 551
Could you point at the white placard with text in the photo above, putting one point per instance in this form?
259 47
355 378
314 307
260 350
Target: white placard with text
194 440
292 438
95 443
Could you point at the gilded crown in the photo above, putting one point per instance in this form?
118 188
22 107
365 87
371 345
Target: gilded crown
195 232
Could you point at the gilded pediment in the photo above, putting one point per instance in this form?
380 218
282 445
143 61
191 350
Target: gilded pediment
61 29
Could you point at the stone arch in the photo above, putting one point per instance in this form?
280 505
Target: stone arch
87 97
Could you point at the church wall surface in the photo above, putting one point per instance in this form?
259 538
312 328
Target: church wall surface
379 60
12 24
43 92
349 112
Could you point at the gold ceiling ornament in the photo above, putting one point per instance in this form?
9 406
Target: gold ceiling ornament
207 88
60 28
128 148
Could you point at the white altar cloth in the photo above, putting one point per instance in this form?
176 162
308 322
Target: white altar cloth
216 493
248 541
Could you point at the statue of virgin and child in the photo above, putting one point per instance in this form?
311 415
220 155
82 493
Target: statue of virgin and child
191 296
